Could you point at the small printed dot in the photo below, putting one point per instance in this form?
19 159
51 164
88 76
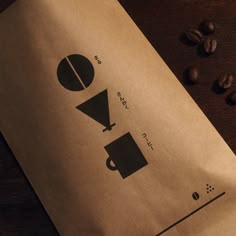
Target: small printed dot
207 184
207 192
212 188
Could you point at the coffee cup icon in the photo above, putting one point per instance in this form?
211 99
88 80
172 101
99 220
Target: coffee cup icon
125 156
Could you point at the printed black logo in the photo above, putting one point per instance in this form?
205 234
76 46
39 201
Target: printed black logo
75 72
209 188
126 156
97 108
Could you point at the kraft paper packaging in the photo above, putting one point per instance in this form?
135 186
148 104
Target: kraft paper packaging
111 142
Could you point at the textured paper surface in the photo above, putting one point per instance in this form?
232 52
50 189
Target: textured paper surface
176 176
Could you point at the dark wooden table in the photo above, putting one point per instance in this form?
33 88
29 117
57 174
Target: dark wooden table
162 21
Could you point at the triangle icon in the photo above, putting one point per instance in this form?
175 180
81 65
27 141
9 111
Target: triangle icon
97 108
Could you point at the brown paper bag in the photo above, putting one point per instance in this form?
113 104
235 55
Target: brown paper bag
111 142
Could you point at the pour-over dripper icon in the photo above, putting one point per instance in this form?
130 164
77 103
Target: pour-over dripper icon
126 156
97 108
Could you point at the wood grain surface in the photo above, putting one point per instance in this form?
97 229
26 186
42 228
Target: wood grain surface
162 22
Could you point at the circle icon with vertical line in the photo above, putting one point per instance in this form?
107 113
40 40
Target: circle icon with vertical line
196 196
75 72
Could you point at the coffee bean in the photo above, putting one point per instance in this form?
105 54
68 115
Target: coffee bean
194 36
232 98
192 74
209 46
225 81
75 72
208 27
196 196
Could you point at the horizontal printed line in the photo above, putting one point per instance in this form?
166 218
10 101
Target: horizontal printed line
193 212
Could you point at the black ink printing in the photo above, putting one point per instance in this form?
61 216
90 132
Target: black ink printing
144 135
123 101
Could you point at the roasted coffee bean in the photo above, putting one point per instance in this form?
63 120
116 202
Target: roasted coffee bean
194 36
232 98
208 27
209 46
192 73
225 81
